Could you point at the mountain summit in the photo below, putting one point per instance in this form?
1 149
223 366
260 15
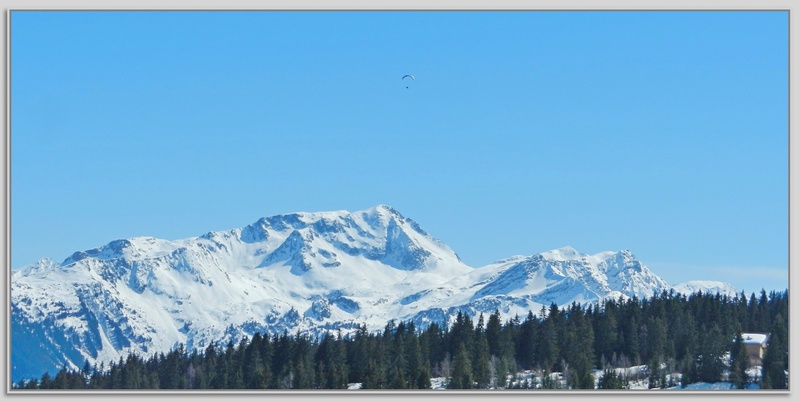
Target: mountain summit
300 272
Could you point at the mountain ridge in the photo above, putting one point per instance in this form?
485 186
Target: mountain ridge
300 272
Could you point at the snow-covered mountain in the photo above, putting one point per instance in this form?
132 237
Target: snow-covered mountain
705 286
301 272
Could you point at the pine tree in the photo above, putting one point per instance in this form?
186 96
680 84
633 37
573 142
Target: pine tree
435 339
399 375
739 362
339 368
480 356
656 339
255 368
688 349
419 369
710 365
461 333
461 377
775 361
375 365
329 361
494 331
610 380
208 367
281 362
655 374
577 345
302 363
548 351
527 341
357 351
606 328
237 379
225 369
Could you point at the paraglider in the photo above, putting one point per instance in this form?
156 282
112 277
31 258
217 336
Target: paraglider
408 76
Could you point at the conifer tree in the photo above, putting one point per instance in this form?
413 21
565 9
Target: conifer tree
610 380
775 361
461 377
548 351
399 368
710 365
494 329
302 362
527 341
281 362
606 329
237 378
432 344
419 369
255 370
339 362
357 351
739 362
46 381
461 333
579 348
655 374
480 355
375 368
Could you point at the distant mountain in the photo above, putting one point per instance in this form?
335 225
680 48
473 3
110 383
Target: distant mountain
301 272
704 286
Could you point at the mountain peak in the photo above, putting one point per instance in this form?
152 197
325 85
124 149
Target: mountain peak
382 207
563 254
626 254
42 265
382 212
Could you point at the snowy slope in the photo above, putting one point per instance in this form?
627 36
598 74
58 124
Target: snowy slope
520 284
705 286
301 272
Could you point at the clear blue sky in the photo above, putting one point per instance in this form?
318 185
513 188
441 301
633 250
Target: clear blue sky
665 133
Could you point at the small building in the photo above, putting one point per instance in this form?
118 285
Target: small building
755 344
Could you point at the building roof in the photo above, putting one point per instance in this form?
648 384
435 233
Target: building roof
755 338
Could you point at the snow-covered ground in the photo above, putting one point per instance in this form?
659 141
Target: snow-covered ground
636 374
714 386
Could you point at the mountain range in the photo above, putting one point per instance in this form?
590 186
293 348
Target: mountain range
302 273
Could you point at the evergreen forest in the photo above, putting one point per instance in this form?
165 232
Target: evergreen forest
697 336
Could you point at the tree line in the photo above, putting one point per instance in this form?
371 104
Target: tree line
698 336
